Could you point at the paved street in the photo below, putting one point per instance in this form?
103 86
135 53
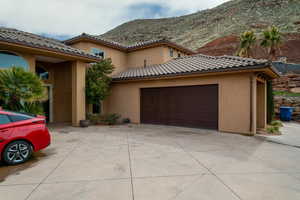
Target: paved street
145 162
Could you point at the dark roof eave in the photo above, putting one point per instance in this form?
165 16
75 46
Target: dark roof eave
90 58
235 69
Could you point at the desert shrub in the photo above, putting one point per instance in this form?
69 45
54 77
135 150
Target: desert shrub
32 107
111 119
21 90
274 127
276 123
95 118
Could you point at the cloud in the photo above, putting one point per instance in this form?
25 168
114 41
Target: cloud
63 18
151 10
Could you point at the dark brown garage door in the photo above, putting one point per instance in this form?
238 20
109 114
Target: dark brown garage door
190 106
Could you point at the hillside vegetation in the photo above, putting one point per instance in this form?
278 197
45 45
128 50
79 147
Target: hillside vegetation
198 29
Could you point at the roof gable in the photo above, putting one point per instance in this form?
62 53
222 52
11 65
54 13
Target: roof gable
129 48
36 41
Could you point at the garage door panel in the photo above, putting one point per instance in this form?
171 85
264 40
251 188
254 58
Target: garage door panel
192 106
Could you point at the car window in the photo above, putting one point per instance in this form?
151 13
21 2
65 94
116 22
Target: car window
4 119
19 117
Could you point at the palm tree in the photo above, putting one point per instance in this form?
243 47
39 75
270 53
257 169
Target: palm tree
247 40
271 41
19 87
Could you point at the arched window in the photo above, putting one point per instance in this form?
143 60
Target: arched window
42 73
9 59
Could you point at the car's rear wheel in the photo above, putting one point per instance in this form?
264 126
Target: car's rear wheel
17 152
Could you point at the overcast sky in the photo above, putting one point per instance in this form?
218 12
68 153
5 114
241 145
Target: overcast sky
66 18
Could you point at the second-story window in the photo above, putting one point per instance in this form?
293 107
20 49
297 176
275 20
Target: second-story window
171 52
97 52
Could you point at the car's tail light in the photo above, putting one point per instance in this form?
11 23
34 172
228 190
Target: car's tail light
40 121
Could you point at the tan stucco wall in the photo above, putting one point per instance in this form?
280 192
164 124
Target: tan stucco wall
156 55
234 99
119 58
167 56
122 60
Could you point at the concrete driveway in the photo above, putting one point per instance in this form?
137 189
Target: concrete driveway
145 162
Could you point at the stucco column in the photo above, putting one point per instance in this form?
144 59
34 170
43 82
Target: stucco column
253 110
31 61
261 105
78 92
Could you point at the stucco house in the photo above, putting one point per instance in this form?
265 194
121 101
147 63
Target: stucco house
155 82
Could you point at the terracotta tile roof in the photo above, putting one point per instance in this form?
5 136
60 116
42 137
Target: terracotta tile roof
37 41
192 65
127 48
96 39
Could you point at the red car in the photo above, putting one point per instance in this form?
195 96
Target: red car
21 135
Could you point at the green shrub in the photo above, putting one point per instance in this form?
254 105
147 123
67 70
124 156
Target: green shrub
273 129
111 119
32 107
98 81
21 90
95 118
276 123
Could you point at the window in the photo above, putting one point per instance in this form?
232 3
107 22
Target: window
145 63
97 52
19 117
42 73
4 119
97 108
171 52
179 55
8 59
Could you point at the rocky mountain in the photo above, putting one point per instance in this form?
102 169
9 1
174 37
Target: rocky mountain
225 21
228 45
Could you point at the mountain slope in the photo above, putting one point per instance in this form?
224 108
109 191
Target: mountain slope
200 28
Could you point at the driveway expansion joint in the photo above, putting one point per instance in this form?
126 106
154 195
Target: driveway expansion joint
44 179
130 167
212 173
